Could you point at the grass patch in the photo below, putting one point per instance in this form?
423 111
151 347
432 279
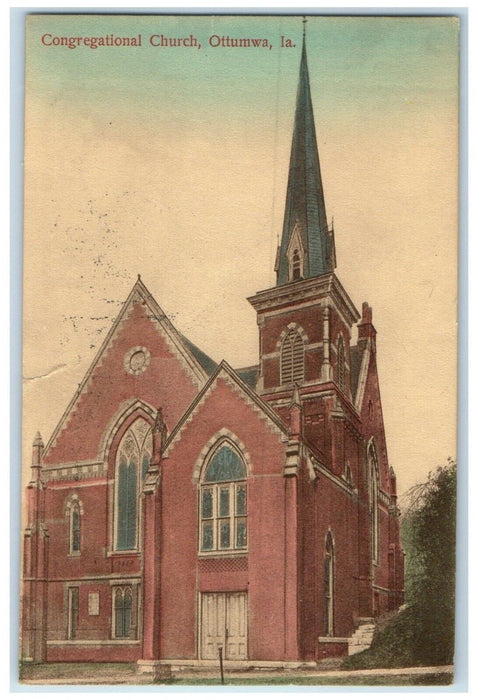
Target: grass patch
78 669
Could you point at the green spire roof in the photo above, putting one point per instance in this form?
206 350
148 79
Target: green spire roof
305 222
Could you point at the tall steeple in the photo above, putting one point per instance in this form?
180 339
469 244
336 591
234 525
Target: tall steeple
307 247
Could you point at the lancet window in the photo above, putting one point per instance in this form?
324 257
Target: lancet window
329 585
132 462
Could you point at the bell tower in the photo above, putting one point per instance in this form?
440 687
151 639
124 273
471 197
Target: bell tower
305 321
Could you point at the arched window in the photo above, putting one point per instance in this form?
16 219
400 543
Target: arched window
123 604
75 529
373 503
132 463
292 358
295 255
74 511
223 502
329 585
296 265
341 363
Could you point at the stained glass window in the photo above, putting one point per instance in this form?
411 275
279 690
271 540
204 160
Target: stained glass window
73 611
226 465
207 536
241 533
207 496
329 586
240 499
123 604
132 463
145 465
373 495
75 529
127 504
225 534
223 506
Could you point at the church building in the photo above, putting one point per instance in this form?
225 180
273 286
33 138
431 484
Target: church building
182 507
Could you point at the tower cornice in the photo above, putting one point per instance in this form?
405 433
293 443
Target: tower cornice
325 287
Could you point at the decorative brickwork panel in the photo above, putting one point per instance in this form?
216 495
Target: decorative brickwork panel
216 565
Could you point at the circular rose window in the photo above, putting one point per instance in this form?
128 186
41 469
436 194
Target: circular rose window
137 360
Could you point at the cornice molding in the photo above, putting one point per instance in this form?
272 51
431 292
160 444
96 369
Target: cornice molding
303 291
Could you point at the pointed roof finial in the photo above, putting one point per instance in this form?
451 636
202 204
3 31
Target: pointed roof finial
304 22
139 277
37 452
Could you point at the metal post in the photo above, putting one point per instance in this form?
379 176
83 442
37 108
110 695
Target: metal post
220 665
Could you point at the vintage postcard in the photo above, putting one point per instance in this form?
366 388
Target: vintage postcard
240 305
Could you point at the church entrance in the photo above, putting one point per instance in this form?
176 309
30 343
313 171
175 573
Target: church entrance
224 624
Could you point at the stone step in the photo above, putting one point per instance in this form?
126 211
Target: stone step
362 638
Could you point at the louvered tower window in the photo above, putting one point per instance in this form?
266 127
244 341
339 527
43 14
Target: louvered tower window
292 358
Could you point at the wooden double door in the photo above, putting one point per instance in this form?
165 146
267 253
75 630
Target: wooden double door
224 624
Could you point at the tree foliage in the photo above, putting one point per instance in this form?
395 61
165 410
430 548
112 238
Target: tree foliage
429 533
422 634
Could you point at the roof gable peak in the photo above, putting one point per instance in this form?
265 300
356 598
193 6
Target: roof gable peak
139 294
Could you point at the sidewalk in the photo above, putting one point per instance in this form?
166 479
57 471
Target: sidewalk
125 674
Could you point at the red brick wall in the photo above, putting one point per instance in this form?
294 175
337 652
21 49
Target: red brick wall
164 383
264 577
327 507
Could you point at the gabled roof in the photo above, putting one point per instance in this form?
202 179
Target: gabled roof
208 365
224 371
193 360
249 375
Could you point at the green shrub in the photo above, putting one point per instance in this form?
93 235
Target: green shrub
422 634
